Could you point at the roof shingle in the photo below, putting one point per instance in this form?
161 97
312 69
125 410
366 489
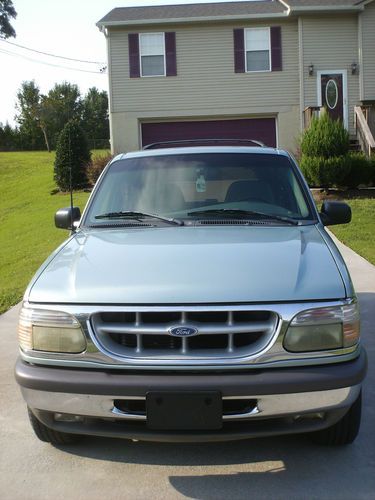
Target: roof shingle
160 13
198 10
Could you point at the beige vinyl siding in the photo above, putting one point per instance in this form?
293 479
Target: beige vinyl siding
205 75
330 43
368 52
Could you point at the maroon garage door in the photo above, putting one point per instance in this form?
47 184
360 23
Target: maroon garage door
261 129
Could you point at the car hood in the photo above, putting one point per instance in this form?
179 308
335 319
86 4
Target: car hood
176 265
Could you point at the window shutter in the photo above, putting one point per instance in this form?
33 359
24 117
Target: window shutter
133 42
170 54
239 50
276 51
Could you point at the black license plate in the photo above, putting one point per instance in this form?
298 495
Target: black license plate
184 410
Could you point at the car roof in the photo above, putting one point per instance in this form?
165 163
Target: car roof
202 149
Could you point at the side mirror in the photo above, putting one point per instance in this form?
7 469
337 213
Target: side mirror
335 212
65 217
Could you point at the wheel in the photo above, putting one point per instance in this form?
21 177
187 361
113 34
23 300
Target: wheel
344 431
48 435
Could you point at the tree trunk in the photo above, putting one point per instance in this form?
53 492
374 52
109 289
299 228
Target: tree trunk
46 139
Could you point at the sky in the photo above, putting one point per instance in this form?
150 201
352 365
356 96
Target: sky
61 27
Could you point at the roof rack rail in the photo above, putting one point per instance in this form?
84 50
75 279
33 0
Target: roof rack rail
210 141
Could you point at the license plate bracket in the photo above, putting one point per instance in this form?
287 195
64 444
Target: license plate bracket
185 410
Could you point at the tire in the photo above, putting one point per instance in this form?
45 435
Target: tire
344 431
48 435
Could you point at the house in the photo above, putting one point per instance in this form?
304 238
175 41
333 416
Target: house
250 70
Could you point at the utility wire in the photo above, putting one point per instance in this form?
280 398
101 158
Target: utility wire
101 72
52 55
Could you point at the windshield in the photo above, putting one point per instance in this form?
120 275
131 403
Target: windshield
200 185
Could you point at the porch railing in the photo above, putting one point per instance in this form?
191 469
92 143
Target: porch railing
363 132
309 113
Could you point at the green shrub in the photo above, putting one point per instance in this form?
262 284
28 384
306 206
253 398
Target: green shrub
325 138
72 152
325 172
96 166
361 171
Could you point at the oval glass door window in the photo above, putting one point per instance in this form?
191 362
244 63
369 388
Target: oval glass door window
332 94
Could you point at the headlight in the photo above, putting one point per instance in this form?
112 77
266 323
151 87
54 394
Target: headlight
52 331
323 328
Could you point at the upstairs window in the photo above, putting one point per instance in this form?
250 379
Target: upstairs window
152 54
258 48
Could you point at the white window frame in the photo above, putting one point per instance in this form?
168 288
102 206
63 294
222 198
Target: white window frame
269 50
140 55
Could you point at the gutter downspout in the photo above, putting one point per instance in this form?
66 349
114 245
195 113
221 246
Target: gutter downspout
360 58
283 2
301 73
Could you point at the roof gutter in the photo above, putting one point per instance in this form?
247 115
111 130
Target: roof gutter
327 8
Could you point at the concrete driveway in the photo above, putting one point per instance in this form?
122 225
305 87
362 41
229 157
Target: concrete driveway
284 467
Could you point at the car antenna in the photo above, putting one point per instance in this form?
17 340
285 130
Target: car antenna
70 184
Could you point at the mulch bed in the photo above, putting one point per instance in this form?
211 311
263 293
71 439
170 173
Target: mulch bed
337 194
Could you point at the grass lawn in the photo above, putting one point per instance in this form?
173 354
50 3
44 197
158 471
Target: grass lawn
360 233
27 231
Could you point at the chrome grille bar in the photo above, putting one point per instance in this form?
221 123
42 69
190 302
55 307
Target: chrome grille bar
217 328
221 333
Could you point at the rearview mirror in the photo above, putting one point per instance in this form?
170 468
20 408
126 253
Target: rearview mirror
335 212
65 217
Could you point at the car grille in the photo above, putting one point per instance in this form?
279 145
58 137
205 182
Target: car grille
221 333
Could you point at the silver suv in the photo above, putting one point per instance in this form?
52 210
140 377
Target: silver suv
198 298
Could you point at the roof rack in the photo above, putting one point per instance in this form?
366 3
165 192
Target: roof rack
210 141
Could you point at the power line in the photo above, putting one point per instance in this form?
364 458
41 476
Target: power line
101 72
52 55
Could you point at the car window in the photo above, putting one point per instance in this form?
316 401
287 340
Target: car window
177 185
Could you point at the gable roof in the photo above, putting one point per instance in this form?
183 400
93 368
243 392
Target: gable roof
129 15
156 14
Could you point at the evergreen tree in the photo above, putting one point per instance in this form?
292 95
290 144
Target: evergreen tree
72 157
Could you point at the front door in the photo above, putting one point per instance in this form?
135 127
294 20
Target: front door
332 95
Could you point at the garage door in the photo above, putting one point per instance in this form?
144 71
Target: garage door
261 129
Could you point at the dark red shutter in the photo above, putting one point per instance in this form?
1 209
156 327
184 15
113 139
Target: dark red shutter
239 50
276 50
170 54
134 69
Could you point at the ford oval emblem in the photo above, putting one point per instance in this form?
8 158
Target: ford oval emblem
183 331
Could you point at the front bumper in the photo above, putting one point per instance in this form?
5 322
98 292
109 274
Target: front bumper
285 400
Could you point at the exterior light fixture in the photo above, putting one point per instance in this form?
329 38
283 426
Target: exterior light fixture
311 70
354 68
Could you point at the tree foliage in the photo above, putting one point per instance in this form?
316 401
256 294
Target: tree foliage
33 113
64 104
95 116
72 157
41 117
7 12
9 138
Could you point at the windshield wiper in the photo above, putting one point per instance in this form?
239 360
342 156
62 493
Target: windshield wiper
244 213
138 215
